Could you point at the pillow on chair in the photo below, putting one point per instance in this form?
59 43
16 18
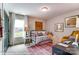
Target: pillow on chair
72 38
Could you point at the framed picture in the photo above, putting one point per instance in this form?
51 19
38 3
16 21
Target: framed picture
71 22
59 27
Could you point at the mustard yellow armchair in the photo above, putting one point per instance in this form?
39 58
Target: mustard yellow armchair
74 33
64 38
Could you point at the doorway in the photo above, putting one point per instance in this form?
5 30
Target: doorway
19 33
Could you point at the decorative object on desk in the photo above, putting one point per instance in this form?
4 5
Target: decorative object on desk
71 22
59 27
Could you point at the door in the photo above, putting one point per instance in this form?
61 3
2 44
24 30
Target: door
6 31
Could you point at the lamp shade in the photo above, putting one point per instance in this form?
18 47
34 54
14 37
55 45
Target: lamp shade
26 29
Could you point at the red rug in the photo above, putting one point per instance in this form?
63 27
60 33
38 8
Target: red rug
43 49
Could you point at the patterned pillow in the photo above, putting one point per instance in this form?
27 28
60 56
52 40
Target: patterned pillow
72 38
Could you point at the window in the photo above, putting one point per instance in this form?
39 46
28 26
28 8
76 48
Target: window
19 28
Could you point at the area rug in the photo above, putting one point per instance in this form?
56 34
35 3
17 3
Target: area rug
41 49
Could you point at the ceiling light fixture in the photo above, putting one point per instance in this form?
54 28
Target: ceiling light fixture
44 9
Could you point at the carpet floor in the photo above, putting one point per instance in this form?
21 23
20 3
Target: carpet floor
43 49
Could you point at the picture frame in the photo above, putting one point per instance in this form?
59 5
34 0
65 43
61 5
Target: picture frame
59 27
71 22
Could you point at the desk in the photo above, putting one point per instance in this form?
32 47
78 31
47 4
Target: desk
61 50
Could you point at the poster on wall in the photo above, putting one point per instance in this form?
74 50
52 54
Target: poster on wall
59 27
72 22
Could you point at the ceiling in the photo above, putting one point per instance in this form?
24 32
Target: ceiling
34 9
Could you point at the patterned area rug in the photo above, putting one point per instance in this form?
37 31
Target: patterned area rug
41 49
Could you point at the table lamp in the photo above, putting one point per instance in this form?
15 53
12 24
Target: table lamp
26 29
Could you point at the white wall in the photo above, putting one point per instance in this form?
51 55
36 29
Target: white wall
61 19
